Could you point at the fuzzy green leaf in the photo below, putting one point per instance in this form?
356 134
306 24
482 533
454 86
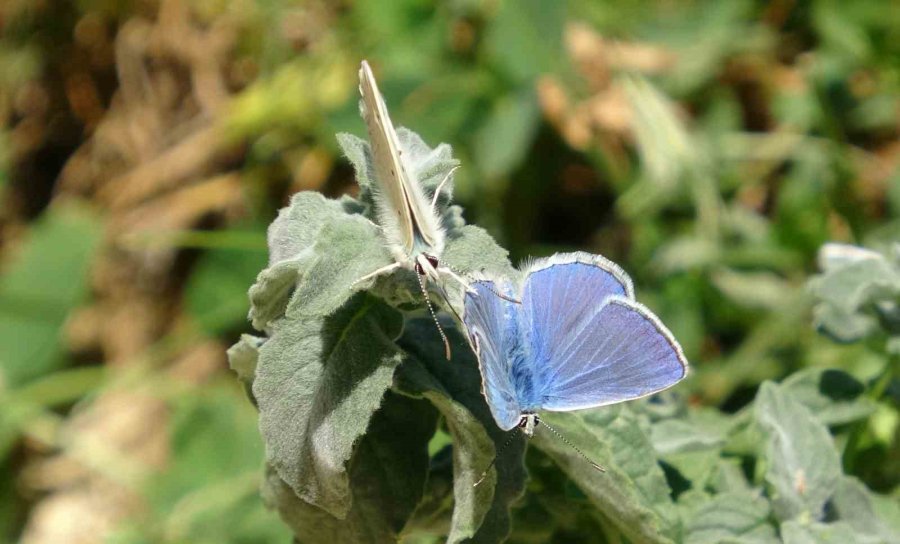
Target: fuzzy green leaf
632 493
794 532
802 465
291 239
344 252
852 502
243 357
691 449
318 382
386 478
480 513
734 517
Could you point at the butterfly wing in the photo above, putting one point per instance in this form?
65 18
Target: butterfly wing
591 343
491 329
404 213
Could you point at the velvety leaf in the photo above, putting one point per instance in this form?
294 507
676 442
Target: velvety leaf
472 250
802 465
795 532
386 478
852 502
41 283
632 493
689 448
853 282
479 513
832 396
291 236
243 357
345 251
318 382
734 517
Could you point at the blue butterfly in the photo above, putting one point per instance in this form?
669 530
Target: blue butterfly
576 340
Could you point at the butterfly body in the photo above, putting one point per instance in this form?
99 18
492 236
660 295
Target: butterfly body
577 340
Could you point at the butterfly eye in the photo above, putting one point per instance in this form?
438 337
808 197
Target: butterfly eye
432 260
522 422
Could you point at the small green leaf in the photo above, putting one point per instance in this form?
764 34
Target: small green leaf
42 283
802 465
243 356
318 382
632 493
386 479
480 513
730 518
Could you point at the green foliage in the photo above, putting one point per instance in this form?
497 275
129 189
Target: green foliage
352 389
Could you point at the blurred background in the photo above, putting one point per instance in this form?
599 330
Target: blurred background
710 147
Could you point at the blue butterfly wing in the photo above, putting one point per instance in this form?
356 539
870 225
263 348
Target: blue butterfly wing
491 326
590 345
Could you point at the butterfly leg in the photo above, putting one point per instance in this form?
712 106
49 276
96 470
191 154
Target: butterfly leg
380 271
454 275
437 192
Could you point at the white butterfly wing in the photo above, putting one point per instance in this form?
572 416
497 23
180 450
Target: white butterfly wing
405 214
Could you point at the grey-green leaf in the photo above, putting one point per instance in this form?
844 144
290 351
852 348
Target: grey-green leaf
853 504
318 382
243 356
292 236
802 465
386 478
832 396
734 517
795 532
632 493
344 251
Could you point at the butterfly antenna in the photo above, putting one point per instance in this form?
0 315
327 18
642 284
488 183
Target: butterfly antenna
504 297
573 446
494 461
434 316
437 192
447 300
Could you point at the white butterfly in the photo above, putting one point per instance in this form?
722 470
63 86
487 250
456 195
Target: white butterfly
410 224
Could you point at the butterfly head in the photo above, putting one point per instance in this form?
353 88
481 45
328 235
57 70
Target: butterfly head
425 263
528 422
